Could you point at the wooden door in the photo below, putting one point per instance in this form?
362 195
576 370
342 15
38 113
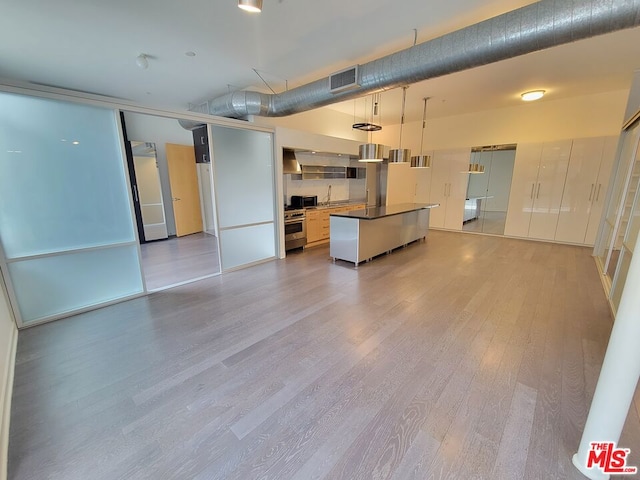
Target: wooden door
185 195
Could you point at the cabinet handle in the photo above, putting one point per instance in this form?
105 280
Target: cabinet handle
533 186
204 158
538 194
598 194
135 193
591 192
202 142
449 191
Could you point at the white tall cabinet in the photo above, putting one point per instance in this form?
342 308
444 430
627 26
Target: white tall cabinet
536 190
449 187
585 188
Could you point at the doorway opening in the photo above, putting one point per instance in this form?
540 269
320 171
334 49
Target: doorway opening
174 201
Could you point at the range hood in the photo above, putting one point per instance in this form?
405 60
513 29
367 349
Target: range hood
289 162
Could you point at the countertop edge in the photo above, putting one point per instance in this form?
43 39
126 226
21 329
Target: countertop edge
409 208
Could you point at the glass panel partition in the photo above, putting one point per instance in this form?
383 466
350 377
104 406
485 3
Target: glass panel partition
65 214
244 185
607 249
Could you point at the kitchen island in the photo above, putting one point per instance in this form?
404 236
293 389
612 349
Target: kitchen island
360 235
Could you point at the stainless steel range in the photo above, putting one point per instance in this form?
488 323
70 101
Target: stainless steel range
295 229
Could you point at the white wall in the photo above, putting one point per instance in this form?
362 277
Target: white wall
320 121
8 339
159 130
542 121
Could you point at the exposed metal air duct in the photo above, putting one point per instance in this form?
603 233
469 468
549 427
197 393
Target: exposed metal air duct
538 26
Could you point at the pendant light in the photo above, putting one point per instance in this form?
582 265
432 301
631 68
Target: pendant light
254 6
370 152
422 160
475 168
399 154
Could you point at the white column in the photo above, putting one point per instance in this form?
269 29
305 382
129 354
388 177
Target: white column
618 377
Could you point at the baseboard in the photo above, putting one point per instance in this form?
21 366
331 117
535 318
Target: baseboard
5 405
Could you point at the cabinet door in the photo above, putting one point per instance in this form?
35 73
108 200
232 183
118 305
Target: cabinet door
551 178
523 183
325 222
579 190
314 231
400 183
600 191
439 188
422 177
457 192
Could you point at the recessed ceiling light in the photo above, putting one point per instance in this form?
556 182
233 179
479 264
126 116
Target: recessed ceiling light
75 142
190 54
254 6
532 95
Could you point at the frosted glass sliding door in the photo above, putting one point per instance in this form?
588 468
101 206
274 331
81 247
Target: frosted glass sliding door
244 185
66 228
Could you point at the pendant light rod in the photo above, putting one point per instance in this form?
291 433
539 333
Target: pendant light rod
422 160
404 99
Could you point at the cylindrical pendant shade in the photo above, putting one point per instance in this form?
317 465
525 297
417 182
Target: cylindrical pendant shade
421 161
398 155
476 168
371 152
250 5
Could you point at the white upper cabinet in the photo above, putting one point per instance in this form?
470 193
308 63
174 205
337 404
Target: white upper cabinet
588 175
449 187
536 190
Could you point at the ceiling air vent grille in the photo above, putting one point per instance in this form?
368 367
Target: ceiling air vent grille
344 80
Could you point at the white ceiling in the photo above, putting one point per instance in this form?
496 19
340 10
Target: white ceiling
92 46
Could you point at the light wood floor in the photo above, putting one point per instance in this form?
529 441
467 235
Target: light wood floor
179 259
488 222
465 357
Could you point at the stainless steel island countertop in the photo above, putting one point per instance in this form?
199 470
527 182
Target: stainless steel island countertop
372 213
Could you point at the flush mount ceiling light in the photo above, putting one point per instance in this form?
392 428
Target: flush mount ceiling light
532 95
254 6
142 61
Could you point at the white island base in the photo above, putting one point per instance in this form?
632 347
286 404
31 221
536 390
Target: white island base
360 235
